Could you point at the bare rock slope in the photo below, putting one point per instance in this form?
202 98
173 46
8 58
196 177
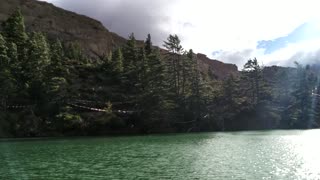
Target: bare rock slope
90 34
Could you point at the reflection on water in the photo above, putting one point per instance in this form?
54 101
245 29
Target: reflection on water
239 155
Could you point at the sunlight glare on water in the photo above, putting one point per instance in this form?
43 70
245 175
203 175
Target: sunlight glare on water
307 147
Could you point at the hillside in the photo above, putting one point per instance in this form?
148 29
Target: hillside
90 34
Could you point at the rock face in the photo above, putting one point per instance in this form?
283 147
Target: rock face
90 34
219 69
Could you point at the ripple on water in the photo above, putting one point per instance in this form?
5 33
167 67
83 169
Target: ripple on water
240 155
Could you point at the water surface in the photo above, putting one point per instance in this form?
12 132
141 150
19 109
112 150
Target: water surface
240 155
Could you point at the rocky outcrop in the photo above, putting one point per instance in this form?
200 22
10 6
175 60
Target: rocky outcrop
216 68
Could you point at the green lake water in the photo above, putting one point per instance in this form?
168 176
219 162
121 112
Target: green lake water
237 155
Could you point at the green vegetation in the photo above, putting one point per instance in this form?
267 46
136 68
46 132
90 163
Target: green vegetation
49 88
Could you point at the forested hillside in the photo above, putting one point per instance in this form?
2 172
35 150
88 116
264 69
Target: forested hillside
51 87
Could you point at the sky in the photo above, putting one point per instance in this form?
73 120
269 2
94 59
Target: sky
276 32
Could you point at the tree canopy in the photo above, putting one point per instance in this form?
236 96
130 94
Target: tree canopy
51 87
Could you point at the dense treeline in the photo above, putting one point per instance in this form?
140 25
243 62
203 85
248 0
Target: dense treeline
49 87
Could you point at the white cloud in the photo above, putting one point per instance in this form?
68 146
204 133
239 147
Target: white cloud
303 52
235 57
232 27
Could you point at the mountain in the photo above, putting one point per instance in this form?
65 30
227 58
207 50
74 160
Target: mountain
219 69
90 34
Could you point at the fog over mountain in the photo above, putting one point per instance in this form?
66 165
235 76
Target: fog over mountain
277 33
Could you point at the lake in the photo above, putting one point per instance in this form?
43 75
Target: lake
252 155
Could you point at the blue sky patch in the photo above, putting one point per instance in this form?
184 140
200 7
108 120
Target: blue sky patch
306 31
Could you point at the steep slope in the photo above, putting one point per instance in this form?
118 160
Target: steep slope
66 25
217 68
90 34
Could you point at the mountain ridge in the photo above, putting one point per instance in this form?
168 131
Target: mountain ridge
92 36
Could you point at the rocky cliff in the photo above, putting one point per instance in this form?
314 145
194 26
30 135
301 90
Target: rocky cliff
219 69
90 34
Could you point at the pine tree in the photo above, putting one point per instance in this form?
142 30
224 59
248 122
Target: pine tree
130 65
153 65
229 104
13 55
316 105
174 65
56 67
194 87
143 70
57 53
302 108
231 94
4 59
154 99
195 81
75 52
14 32
15 64
148 45
189 73
57 72
253 73
56 89
7 87
6 79
173 44
156 73
14 29
38 57
130 54
117 61
34 68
